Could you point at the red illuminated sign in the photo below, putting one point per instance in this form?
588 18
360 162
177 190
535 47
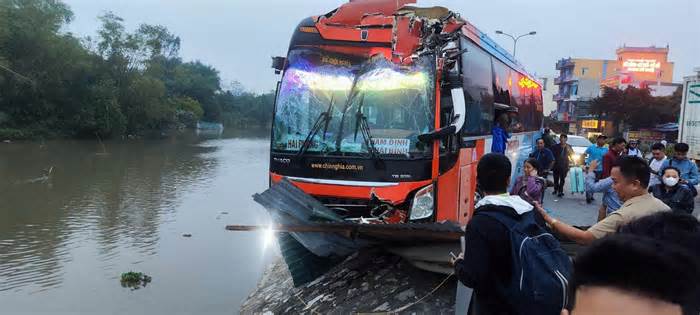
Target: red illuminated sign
641 65
526 83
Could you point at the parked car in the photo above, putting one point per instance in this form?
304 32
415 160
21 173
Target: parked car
579 145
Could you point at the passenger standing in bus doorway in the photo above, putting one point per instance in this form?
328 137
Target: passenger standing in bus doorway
499 141
562 155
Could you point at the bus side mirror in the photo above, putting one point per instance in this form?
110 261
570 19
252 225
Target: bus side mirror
460 110
437 134
278 63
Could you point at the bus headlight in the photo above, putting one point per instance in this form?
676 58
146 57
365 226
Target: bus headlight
423 204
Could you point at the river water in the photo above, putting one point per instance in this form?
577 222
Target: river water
74 215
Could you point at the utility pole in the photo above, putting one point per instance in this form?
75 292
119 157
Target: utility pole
515 38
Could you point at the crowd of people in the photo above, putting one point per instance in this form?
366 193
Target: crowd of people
641 257
672 179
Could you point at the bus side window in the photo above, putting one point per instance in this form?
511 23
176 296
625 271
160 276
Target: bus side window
477 79
502 82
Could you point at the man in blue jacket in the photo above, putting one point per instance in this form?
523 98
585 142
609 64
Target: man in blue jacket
499 141
611 201
689 171
595 153
544 157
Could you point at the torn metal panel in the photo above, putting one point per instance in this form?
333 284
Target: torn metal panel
381 233
286 198
431 13
289 205
351 13
406 37
325 233
376 21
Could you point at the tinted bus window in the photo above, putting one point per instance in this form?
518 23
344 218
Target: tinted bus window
538 106
501 74
476 69
528 99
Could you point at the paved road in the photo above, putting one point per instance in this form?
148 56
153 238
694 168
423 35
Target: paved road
572 208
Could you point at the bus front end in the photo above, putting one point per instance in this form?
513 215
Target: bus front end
349 112
382 118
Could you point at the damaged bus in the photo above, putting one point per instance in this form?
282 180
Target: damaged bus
382 111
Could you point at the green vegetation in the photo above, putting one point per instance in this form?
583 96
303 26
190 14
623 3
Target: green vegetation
134 280
54 84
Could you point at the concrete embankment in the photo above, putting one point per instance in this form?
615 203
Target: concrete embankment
367 282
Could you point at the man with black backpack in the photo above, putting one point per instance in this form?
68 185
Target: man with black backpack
513 264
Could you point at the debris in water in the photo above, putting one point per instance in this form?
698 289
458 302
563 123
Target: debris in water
135 280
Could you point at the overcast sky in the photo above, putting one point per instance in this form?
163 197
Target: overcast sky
239 36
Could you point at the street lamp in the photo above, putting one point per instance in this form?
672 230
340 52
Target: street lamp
515 39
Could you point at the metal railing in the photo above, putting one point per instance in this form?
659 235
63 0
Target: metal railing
563 63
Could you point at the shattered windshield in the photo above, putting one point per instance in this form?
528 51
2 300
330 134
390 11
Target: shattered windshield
348 105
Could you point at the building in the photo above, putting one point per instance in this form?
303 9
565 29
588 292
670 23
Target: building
643 67
548 91
581 80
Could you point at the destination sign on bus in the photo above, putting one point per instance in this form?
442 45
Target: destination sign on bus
392 146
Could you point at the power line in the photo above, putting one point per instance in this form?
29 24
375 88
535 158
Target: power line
17 74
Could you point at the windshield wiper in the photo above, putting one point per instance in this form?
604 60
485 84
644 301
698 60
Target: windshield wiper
322 120
362 124
351 98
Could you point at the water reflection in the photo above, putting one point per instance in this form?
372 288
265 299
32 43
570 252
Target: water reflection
114 195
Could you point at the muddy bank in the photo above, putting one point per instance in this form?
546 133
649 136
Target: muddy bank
367 282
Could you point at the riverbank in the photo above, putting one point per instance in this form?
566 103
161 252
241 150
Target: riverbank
9 135
370 281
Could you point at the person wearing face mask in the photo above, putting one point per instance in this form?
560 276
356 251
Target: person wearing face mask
689 171
678 197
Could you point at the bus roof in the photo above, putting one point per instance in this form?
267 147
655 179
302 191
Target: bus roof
490 46
347 22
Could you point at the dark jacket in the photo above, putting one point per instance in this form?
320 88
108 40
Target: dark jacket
548 140
609 160
544 157
562 156
486 266
679 198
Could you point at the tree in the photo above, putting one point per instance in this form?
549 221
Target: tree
635 107
158 41
200 82
53 83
